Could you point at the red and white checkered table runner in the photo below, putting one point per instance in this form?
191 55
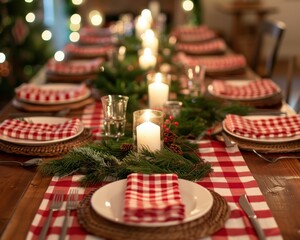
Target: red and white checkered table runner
231 178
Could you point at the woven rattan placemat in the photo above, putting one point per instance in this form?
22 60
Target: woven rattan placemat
274 100
201 227
271 147
48 150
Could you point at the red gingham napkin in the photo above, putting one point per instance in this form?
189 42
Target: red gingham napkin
215 63
194 34
44 94
253 89
264 128
153 198
87 51
74 67
19 129
213 46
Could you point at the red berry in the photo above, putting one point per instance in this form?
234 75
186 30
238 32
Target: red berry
171 117
176 124
167 121
167 130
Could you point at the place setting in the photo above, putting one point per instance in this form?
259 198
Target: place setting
51 97
72 71
265 133
42 136
167 207
253 93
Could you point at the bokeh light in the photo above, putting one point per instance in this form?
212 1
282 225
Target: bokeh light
46 35
59 56
187 5
30 17
2 57
74 37
95 18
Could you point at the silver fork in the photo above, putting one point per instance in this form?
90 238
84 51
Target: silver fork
273 160
55 205
72 203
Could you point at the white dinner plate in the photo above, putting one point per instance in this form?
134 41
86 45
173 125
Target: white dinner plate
240 82
59 86
265 140
107 201
49 120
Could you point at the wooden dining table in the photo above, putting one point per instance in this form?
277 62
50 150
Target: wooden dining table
22 188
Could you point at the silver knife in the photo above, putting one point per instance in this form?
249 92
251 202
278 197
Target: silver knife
251 215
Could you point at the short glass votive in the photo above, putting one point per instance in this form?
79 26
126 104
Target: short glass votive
172 108
158 89
114 111
148 129
195 77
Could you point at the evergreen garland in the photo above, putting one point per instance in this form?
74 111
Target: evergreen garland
107 159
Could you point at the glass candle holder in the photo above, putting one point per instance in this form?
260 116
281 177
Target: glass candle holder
114 111
172 108
195 76
148 129
158 89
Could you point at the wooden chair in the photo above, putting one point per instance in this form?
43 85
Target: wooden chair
267 45
292 76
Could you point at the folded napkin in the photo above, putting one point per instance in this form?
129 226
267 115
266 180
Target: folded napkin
253 89
194 34
86 51
74 67
215 63
264 128
152 198
213 46
16 128
43 94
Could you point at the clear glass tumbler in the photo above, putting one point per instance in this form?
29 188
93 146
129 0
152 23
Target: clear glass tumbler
114 110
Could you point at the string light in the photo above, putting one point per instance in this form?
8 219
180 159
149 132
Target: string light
30 17
74 27
29 1
187 5
59 56
46 35
95 18
75 19
74 37
2 57
77 2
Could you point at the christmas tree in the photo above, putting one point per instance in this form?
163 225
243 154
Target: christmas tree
22 49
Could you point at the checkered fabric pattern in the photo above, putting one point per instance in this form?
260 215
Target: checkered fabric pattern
231 178
42 94
87 51
215 63
253 89
153 198
265 128
92 118
194 34
20 129
74 67
213 46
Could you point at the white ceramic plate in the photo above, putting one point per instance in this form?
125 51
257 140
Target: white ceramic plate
241 82
107 201
50 120
268 140
59 86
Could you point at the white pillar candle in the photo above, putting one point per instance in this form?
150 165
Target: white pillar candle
147 59
148 136
158 92
149 40
141 25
